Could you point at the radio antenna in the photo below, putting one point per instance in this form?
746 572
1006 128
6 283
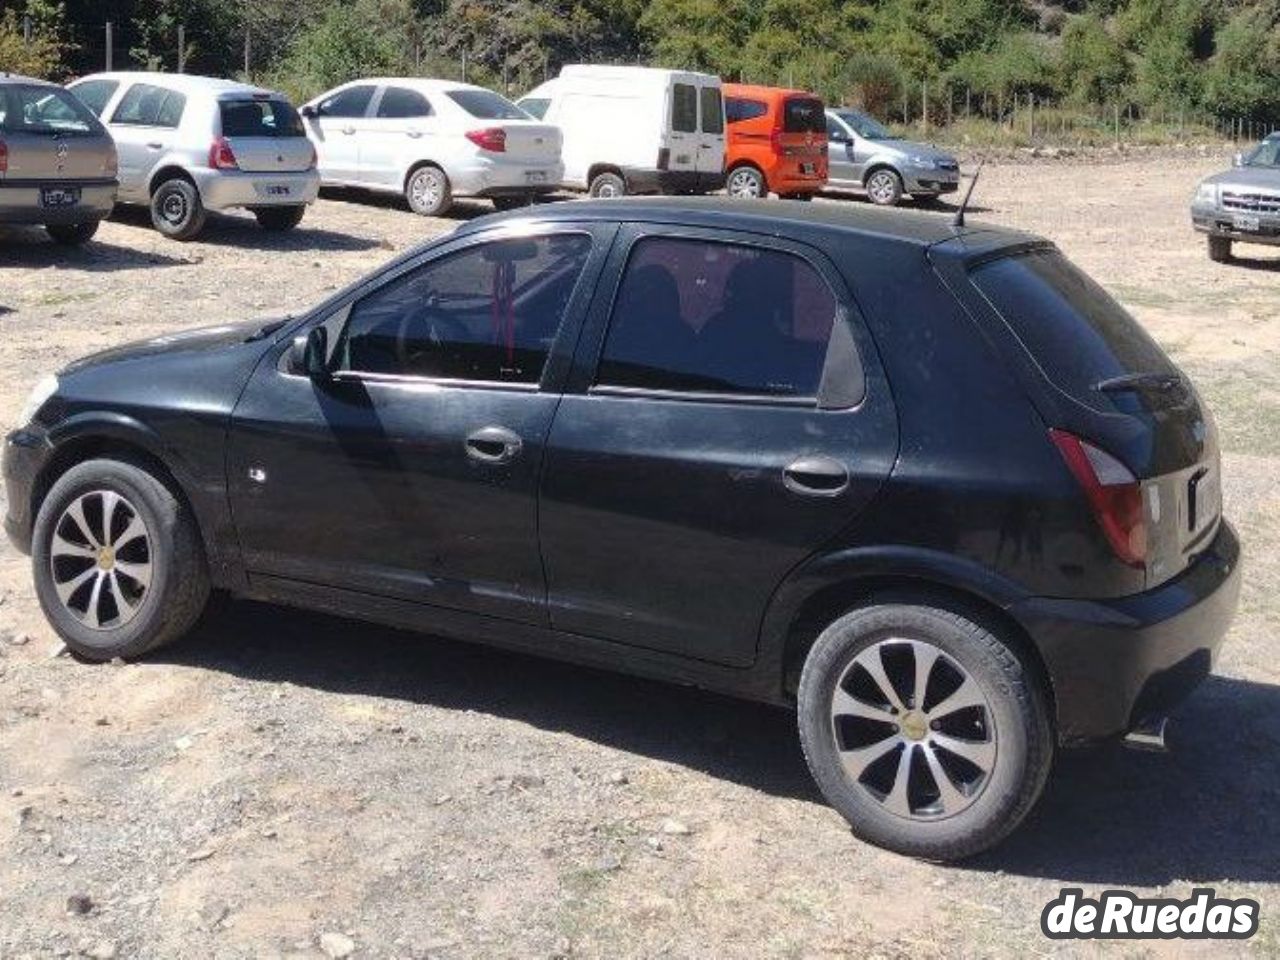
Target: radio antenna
958 219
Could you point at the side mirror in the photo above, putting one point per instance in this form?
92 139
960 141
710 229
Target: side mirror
308 354
309 111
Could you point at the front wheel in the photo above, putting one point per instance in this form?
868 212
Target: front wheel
884 187
280 218
176 210
428 192
1220 249
118 563
746 182
72 234
924 729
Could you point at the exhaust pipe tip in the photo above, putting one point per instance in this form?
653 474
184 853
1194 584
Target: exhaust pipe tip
1148 735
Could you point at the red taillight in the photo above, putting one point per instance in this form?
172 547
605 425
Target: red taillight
775 141
221 156
1113 492
493 139
4 157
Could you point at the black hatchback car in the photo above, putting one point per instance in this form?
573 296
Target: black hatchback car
928 484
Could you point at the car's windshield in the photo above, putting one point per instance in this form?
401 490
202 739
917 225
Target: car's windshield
1266 154
864 126
45 111
487 105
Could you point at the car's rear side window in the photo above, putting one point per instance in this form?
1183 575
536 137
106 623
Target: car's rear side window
803 115
486 105
260 117
94 94
1072 328
708 316
43 110
398 103
737 109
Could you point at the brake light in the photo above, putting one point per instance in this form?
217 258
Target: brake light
493 139
664 158
4 157
221 156
775 141
1114 493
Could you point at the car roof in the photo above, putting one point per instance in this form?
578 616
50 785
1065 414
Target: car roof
182 82
770 216
16 78
760 90
416 83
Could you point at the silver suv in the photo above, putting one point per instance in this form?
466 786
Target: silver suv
189 145
863 155
57 163
1241 204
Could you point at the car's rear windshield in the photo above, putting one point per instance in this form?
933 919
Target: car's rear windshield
487 105
260 117
804 115
1076 333
44 111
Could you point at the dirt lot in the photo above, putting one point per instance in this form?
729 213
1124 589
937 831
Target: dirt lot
285 785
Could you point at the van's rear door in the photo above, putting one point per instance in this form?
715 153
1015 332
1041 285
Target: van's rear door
1093 371
683 136
710 159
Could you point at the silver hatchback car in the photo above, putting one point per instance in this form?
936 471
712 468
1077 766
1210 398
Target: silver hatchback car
57 162
189 145
861 154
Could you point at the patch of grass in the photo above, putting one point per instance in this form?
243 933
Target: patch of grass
61 299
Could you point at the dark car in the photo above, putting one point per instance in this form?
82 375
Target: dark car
927 484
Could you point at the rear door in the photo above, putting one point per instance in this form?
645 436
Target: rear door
726 417
841 166
144 124
711 142
683 133
404 126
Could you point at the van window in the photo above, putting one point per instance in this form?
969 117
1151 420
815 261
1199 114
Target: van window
486 105
535 107
715 317
803 115
712 110
398 104
94 94
260 118
684 108
737 109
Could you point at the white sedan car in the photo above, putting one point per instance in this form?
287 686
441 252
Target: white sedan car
432 140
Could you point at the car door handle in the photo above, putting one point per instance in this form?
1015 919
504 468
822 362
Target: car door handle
816 476
155 146
414 133
348 130
493 445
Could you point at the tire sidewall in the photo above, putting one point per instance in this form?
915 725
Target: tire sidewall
601 179
159 512
896 197
1023 748
761 189
194 219
429 209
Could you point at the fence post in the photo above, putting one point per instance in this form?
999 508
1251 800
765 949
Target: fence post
1117 123
464 66
924 106
26 29
247 51
182 48
109 38
1031 116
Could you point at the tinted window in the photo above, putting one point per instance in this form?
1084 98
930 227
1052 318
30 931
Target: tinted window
397 103
1267 154
712 110
1074 330
696 315
147 106
684 108
486 105
736 109
803 115
487 313
43 110
260 118
535 106
351 102
864 126
835 132
94 94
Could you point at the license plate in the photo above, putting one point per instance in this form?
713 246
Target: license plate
276 190
59 196
1206 498
808 169
535 176
1246 223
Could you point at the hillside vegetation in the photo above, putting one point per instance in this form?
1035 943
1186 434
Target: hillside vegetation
1148 58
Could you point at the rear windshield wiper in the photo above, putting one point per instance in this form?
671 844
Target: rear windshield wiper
1138 381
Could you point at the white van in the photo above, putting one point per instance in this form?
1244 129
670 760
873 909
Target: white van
635 129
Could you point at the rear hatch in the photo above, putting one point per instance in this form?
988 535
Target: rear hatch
1099 378
266 134
802 139
523 139
49 135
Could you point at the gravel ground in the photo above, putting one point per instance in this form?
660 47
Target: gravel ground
295 785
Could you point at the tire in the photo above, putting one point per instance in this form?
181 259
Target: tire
884 187
1006 734
607 185
428 192
1220 249
154 561
72 234
746 182
279 219
512 202
176 209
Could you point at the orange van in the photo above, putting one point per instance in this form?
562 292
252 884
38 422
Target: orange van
777 142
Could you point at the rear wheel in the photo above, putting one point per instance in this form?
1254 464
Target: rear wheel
176 210
1220 249
606 185
280 218
884 187
428 192
118 564
746 182
72 234
924 729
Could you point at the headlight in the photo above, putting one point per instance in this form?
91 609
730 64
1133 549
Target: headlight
924 163
1207 193
45 388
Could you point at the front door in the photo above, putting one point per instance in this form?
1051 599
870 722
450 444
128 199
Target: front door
843 168
735 421
336 130
410 471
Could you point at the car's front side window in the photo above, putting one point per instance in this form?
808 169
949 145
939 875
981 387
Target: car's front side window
1266 155
351 102
142 106
488 313
707 316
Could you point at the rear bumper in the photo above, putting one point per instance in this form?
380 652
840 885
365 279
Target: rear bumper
485 177
20 201
1114 663
228 189
646 180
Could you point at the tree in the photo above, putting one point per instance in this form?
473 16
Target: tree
42 57
1093 67
1243 78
